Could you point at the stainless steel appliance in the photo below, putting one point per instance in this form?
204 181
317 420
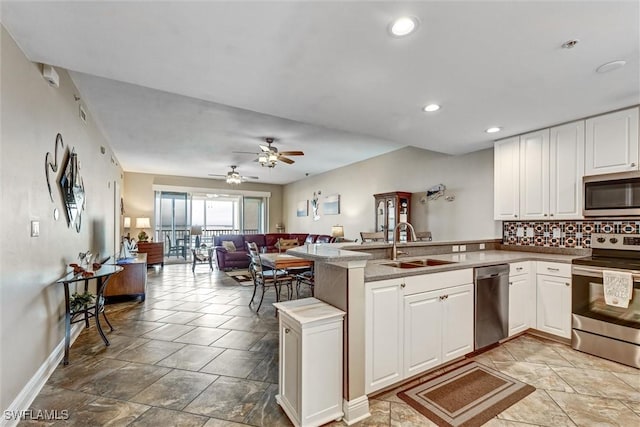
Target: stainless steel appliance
491 304
600 329
614 194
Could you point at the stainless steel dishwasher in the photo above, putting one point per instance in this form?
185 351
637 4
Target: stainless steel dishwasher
492 304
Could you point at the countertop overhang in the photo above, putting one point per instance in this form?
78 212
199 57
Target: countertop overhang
339 254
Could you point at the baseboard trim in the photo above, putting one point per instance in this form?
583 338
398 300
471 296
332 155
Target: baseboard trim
30 391
355 410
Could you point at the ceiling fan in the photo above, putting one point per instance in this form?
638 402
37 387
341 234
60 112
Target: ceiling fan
234 177
269 155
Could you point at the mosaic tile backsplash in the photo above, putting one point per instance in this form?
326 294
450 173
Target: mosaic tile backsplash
562 234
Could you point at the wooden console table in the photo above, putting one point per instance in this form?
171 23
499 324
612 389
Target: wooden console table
102 276
132 281
154 251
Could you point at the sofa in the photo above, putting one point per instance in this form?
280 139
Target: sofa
235 255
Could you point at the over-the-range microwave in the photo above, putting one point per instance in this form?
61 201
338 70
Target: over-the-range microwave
614 194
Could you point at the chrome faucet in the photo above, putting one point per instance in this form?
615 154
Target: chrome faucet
394 249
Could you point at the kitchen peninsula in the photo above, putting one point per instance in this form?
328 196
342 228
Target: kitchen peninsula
378 296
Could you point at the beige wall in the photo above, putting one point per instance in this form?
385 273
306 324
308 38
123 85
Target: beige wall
31 304
139 196
469 177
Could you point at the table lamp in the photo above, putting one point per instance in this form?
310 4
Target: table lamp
196 230
142 224
337 231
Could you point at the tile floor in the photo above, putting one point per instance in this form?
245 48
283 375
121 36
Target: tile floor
194 354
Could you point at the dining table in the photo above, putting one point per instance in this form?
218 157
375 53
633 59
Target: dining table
285 265
279 261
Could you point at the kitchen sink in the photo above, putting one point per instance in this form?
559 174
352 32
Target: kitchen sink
427 262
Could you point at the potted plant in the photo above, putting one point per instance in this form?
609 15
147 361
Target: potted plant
79 302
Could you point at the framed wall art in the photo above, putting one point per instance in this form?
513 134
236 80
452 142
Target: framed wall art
331 205
303 208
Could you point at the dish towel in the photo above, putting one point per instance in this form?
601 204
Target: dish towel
618 288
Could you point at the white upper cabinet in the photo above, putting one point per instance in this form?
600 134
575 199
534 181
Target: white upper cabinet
534 175
566 160
506 179
538 175
612 143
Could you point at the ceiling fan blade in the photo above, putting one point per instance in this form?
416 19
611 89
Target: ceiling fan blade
265 148
291 153
244 152
250 177
285 160
221 176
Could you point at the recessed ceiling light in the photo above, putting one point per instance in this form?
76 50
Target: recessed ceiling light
610 66
431 108
570 43
403 26
493 129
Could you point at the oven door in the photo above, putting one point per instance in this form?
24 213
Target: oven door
590 313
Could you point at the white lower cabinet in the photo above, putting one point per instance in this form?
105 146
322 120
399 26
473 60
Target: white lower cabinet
408 331
310 366
383 333
521 296
422 332
457 336
553 298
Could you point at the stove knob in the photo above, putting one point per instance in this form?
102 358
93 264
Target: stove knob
601 239
613 240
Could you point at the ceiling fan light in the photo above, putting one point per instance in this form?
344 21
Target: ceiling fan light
273 157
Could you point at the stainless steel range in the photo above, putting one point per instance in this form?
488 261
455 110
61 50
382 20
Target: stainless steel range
602 329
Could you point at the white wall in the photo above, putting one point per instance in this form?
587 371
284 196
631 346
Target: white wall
469 177
31 304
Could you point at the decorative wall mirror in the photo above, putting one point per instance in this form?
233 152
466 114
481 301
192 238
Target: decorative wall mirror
72 188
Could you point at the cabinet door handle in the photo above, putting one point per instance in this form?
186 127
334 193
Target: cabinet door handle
545 215
403 285
287 330
519 268
510 283
568 284
633 165
515 216
553 269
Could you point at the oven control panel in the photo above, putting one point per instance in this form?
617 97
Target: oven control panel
615 241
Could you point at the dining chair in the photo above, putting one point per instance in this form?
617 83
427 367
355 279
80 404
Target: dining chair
305 278
378 236
178 250
266 278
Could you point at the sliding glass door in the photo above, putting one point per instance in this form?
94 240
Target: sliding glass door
172 221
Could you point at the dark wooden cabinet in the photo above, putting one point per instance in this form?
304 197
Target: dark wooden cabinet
392 208
130 281
154 251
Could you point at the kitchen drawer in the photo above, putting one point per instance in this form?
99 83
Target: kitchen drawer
434 281
516 268
553 269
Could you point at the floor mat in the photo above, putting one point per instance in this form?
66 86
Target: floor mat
469 395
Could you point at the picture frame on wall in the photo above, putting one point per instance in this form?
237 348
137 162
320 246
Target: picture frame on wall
331 205
303 208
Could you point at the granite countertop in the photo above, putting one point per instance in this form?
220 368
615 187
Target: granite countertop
332 252
420 243
376 270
